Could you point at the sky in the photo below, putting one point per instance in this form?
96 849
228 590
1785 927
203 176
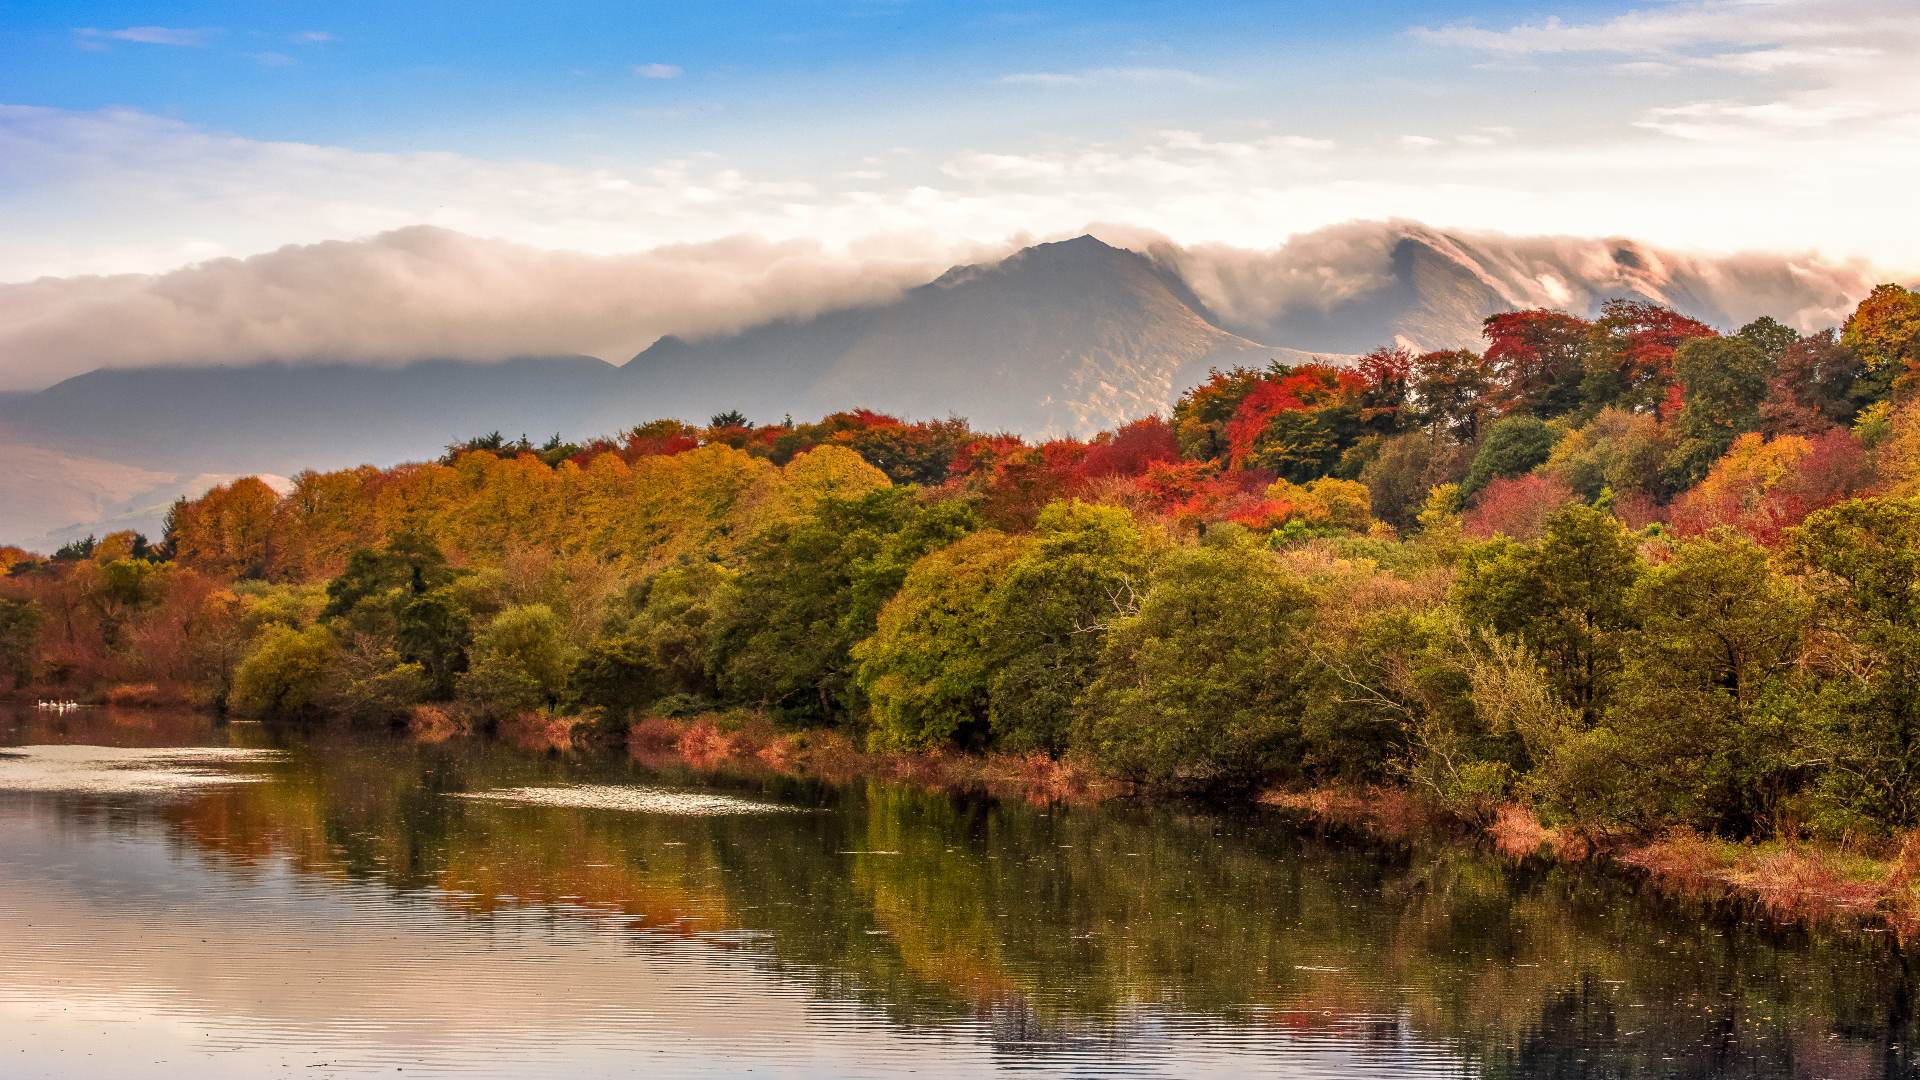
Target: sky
140 137
218 182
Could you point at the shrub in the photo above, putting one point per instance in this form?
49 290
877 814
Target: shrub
285 674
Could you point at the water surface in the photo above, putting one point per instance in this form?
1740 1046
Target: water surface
337 904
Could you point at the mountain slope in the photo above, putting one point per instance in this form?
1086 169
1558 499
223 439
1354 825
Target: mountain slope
1073 336
282 418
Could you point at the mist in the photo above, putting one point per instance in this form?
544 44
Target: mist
425 292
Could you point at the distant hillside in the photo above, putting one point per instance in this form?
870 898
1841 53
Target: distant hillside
1075 336
282 418
1067 337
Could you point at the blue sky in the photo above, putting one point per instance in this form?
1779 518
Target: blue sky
498 78
143 136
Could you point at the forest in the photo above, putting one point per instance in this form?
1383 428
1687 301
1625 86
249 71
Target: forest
1631 573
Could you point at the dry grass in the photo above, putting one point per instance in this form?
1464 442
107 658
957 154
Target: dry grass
750 742
1518 833
1390 812
1788 881
433 724
147 696
541 733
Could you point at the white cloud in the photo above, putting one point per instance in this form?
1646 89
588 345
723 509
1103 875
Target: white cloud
117 190
657 71
313 37
421 292
1418 142
149 35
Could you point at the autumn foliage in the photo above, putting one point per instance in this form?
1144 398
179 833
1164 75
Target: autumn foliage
1618 573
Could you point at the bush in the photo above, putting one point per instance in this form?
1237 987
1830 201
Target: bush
1202 687
1513 446
520 661
285 675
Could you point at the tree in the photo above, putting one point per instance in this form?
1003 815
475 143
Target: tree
1723 381
1297 421
521 660
1818 383
1630 363
1771 336
1518 507
1453 393
928 670
1623 451
1764 487
1085 566
285 675
811 585
1202 685
409 562
229 531
1404 469
1717 634
1864 560
1514 445
1884 331
435 630
1201 415
618 674
1565 596
1537 360
20 623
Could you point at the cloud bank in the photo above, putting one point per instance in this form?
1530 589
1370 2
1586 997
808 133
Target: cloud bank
423 292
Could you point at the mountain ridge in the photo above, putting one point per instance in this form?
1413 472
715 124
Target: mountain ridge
1066 337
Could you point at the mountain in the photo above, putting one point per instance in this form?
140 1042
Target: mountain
1068 337
281 418
1351 288
49 498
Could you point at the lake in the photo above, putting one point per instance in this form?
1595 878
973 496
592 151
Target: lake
180 898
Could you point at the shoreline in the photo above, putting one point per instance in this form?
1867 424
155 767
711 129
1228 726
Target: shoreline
1814 885
1789 882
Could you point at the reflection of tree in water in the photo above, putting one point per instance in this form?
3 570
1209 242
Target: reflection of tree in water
1068 928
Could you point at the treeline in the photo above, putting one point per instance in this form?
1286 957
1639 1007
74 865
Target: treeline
1630 571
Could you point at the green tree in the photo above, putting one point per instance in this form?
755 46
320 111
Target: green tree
928 669
1202 685
521 660
1717 634
434 630
1514 445
1085 567
1771 336
1565 596
408 562
1723 380
618 674
285 675
811 586
20 623
1864 560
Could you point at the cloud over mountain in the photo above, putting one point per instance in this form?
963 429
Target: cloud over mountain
427 292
